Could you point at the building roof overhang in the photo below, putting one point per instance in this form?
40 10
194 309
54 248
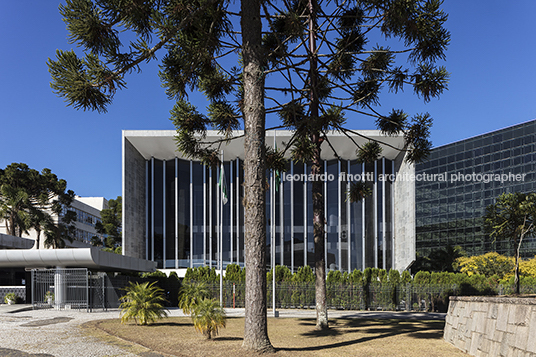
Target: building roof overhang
161 144
91 258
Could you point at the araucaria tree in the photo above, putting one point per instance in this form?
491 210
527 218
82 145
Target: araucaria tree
312 61
29 199
326 58
512 217
193 35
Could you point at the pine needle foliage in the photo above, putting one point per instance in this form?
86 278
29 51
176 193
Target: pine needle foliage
358 191
144 303
29 199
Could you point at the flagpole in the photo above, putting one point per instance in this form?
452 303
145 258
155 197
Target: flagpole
221 231
272 186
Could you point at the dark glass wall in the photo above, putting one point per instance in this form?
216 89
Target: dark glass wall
449 212
190 222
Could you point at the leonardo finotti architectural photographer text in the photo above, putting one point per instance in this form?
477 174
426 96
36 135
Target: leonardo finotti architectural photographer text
443 177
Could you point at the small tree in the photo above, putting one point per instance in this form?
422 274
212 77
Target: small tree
110 223
512 217
143 302
191 294
208 316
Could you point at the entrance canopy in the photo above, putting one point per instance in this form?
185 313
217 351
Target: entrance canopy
91 258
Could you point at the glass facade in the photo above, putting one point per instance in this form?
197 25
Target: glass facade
458 182
189 223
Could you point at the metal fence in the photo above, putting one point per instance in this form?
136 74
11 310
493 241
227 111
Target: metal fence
60 288
401 297
82 289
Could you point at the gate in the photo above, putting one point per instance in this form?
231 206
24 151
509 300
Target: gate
60 288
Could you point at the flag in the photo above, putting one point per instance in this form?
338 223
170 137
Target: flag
223 186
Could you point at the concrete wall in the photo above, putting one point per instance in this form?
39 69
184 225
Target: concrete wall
404 213
492 326
134 215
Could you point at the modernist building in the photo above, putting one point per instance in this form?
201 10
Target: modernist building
173 212
469 175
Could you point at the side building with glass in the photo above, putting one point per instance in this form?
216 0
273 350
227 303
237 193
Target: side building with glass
175 213
459 180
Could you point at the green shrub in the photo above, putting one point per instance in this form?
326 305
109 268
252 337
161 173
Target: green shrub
191 294
208 317
304 275
143 302
11 298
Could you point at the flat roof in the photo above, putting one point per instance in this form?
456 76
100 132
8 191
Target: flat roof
161 144
91 258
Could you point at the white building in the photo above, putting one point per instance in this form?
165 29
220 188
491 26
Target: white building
87 215
172 211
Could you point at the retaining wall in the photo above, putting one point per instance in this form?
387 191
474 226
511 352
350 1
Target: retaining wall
492 326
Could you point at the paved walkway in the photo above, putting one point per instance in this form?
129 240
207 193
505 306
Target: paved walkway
52 333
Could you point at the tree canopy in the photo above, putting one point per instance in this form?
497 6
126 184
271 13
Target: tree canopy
29 199
110 223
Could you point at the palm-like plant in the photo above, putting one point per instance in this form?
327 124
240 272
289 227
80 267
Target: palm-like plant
191 294
143 302
208 316
13 209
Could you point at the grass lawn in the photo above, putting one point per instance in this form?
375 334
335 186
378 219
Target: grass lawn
176 336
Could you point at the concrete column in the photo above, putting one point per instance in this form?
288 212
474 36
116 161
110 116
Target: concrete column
60 288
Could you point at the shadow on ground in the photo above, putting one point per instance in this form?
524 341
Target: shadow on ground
8 352
375 328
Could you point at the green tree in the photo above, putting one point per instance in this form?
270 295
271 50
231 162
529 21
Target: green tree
441 259
512 217
208 316
318 54
313 65
110 223
30 199
143 302
56 233
13 209
189 33
191 294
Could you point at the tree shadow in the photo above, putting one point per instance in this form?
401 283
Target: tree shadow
228 339
307 322
378 329
171 324
330 332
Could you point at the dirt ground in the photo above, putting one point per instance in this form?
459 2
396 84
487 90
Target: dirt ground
176 336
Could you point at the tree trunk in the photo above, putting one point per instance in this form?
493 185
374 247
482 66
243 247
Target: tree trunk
516 271
318 226
317 189
38 240
255 327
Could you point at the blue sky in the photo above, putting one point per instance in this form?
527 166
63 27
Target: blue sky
491 60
